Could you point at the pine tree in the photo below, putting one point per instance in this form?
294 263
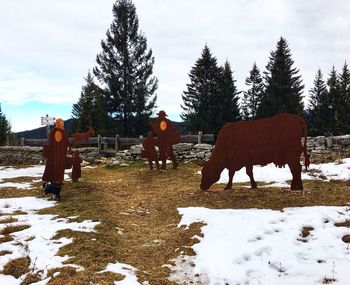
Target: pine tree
204 86
5 128
333 115
125 68
343 103
283 85
252 97
230 107
318 105
211 97
90 110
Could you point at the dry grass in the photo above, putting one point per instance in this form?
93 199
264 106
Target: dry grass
346 238
11 192
8 220
6 238
31 278
13 228
17 267
305 232
344 224
22 179
139 217
4 252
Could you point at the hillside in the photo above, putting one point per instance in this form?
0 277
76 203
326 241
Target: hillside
40 133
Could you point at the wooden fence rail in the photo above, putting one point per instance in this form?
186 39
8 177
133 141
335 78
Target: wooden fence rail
118 142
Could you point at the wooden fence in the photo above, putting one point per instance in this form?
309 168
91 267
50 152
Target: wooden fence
119 142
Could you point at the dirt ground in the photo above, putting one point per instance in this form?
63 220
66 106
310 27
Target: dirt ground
138 212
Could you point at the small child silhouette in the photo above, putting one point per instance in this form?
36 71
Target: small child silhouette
76 171
149 145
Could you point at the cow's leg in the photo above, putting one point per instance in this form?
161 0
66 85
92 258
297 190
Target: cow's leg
230 177
249 171
295 168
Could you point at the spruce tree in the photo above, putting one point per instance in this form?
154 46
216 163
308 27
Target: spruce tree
125 68
211 97
252 97
333 114
318 106
201 91
229 93
343 102
283 85
5 128
90 110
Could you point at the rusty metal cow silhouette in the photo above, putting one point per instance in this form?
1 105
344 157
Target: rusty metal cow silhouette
77 137
244 144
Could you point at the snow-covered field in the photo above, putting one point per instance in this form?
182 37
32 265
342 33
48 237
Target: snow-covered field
251 246
36 241
34 171
239 246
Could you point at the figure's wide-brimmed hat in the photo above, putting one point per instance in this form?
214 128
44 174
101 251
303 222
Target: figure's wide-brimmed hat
162 114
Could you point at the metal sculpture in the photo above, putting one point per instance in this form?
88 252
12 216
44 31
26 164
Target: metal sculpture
76 170
167 136
244 144
149 146
55 152
78 137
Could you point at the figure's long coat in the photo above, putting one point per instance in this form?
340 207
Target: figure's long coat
55 152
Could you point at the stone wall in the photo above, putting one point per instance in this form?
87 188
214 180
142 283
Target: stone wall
18 155
318 147
34 155
325 146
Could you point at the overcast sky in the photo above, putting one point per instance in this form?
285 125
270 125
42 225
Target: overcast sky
48 46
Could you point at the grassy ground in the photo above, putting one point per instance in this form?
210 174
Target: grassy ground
138 213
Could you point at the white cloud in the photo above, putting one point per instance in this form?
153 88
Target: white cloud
48 45
18 86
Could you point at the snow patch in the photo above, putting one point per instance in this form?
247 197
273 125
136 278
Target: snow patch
278 176
36 241
251 246
127 270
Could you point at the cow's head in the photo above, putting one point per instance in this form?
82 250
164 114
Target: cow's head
210 174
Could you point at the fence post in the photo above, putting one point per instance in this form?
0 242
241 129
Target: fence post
199 137
22 142
99 142
141 139
7 140
116 144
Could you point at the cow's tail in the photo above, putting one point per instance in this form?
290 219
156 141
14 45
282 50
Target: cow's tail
306 155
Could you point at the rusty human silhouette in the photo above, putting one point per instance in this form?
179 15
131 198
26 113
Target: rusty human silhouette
149 146
167 136
247 143
76 169
55 152
78 137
